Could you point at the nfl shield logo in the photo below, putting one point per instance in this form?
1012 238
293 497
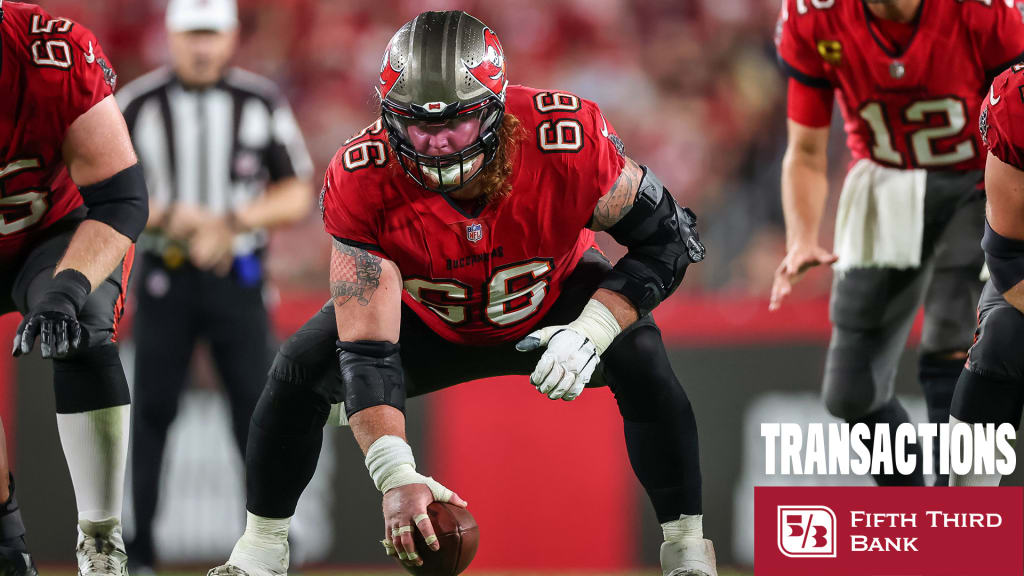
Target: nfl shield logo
474 232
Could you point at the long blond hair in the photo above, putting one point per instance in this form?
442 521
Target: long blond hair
495 181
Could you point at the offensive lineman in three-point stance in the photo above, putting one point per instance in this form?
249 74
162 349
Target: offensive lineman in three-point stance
72 202
463 219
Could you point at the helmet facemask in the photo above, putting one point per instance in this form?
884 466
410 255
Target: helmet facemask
445 173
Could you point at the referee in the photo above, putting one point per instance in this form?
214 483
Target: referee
225 162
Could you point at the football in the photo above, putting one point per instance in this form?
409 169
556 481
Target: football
458 535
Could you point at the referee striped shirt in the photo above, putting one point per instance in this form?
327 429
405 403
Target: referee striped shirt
216 147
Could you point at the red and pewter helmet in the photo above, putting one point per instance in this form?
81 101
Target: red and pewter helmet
443 67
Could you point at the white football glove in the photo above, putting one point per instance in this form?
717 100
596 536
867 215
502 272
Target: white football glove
573 351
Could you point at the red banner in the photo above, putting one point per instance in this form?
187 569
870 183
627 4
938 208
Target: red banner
868 531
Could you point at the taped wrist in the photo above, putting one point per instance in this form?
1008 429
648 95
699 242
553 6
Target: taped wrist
661 238
371 375
597 324
67 292
120 201
391 464
1005 259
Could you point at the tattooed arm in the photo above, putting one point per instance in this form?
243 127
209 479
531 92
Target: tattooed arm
367 293
617 202
610 209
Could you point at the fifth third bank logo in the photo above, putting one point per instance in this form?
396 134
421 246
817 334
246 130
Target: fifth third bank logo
807 531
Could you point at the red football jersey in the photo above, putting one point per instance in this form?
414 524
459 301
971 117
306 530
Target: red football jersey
484 278
52 70
1002 117
914 108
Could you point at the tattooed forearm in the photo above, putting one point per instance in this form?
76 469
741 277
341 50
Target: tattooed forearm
354 273
618 201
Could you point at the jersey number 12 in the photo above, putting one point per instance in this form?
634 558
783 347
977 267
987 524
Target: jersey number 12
921 141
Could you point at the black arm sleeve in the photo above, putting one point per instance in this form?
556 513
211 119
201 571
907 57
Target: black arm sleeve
120 201
662 240
371 374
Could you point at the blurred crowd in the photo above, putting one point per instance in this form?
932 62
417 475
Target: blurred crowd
691 86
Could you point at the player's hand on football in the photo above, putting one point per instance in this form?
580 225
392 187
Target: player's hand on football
405 510
567 364
801 257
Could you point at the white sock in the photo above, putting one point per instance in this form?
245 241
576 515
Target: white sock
971 478
96 448
688 526
263 547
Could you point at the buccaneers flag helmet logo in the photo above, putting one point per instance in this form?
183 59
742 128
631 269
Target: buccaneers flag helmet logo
388 75
490 71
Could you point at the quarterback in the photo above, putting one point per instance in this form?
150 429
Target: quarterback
991 386
909 76
72 202
463 227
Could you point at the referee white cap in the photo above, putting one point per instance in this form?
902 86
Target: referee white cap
189 15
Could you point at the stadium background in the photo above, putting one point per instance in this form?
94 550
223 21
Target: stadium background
693 90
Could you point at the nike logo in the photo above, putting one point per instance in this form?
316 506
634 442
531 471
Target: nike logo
91 56
992 97
604 129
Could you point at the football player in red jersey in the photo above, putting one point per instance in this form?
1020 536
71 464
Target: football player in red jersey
909 76
463 219
72 202
991 386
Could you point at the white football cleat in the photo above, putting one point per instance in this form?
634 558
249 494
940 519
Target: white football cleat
100 549
688 557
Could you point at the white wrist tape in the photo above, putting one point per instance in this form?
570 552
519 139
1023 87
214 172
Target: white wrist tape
597 324
391 465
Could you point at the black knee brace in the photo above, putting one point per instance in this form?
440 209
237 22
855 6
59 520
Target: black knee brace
91 379
984 399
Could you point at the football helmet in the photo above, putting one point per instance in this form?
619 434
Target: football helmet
443 69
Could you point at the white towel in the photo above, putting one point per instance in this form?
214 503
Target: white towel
337 417
880 221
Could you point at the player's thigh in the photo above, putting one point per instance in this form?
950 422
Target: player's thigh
636 358
953 293
872 311
308 358
431 363
991 387
8 272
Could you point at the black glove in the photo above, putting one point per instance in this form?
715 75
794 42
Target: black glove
55 317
